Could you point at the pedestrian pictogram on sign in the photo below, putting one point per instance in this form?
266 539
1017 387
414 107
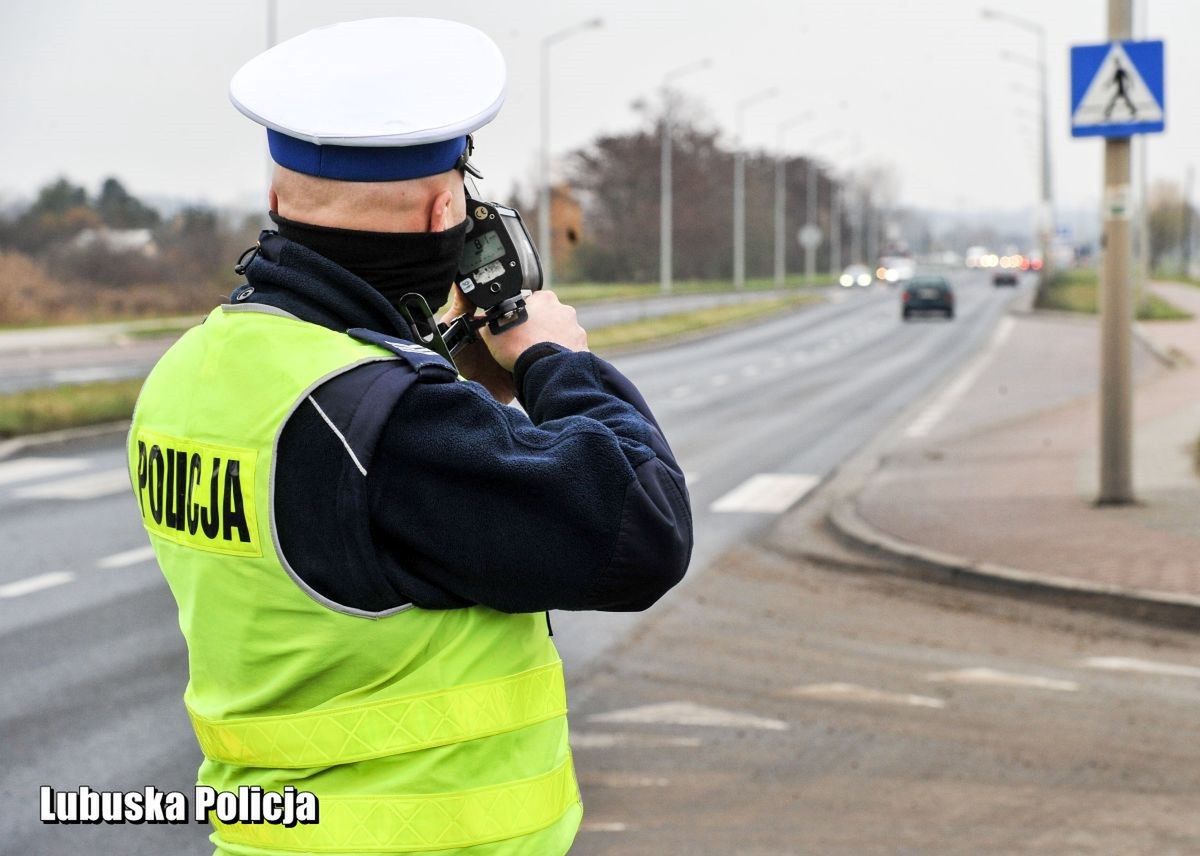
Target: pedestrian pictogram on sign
1117 89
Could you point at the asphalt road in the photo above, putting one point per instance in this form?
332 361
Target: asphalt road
92 660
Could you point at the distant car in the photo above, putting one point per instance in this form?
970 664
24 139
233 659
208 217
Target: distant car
853 275
894 269
1005 277
927 294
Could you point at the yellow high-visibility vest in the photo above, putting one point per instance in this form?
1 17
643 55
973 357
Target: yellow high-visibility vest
419 731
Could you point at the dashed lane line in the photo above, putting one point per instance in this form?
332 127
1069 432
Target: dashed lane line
90 486
136 556
29 585
689 713
767 493
843 692
1146 667
609 740
27 469
603 826
984 676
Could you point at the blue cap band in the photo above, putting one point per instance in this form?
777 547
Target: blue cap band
364 163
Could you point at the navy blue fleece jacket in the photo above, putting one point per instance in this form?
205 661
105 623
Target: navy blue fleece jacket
576 503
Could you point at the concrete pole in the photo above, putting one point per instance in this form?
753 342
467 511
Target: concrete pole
1143 226
739 218
835 230
545 244
1116 307
780 236
810 219
665 203
1188 179
1048 226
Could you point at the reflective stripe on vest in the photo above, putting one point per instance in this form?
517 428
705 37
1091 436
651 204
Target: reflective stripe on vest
415 823
343 735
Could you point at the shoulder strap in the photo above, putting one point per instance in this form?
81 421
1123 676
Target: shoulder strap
427 364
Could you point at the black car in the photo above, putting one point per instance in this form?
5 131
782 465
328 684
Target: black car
927 294
1004 277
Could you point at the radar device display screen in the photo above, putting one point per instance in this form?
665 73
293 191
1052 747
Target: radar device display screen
498 260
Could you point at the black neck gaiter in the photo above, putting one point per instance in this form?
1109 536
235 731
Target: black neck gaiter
393 263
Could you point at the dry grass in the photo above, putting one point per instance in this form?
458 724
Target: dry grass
37 410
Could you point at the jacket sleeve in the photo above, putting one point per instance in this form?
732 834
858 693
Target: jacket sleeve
577 505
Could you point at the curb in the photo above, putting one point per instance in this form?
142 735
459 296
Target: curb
1144 605
8 448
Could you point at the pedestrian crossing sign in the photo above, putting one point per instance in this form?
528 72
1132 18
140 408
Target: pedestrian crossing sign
1117 89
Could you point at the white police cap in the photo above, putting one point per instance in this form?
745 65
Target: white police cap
384 99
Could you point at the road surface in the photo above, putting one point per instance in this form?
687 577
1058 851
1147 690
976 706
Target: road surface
92 659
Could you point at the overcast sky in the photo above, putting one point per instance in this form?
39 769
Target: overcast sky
138 88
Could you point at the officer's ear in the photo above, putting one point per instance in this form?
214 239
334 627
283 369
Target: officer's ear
441 212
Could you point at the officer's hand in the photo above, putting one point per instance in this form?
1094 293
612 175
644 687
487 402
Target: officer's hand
474 361
549 321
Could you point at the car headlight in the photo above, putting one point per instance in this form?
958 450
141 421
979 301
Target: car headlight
864 279
846 280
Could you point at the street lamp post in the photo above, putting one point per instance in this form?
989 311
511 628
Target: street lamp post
666 199
810 250
544 238
781 196
1046 214
739 187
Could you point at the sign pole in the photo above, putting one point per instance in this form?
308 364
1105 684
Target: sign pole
1116 306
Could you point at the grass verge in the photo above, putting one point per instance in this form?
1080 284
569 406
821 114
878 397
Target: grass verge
587 292
667 327
1079 291
37 410
40 410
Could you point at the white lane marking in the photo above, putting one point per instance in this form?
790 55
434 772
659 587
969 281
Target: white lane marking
982 675
688 713
751 371
84 375
681 391
603 826
868 695
720 379
26 469
778 362
627 780
90 486
1148 667
130 557
944 403
692 479
605 740
767 493
31 584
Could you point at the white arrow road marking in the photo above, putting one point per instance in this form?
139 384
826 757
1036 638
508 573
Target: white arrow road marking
867 695
994 677
687 713
605 740
130 557
26 469
767 493
31 584
1149 667
90 486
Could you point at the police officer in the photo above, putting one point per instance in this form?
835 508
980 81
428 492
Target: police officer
362 542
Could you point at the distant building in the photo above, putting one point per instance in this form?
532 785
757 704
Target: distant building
139 241
566 225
